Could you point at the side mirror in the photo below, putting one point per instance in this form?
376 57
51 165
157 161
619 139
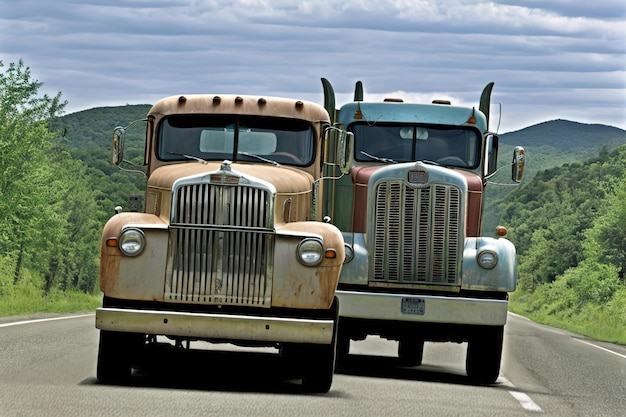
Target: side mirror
519 160
117 146
491 155
346 144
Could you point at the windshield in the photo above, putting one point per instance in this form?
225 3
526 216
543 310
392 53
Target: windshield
392 143
219 137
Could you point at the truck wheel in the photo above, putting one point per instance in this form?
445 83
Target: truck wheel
343 349
484 351
410 351
116 353
319 360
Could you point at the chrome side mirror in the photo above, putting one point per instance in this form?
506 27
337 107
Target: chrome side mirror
519 160
117 146
346 144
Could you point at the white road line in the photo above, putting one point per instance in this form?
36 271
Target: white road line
526 402
600 347
543 326
17 323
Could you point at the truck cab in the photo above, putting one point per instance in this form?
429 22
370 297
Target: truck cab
411 209
227 249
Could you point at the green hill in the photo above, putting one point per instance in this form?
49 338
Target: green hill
87 136
559 142
566 135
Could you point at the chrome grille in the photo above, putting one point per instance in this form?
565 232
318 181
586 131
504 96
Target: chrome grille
417 236
221 245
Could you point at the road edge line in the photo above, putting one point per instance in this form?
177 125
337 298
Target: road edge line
17 323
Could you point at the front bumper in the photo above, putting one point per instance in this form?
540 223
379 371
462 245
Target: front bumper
432 309
216 326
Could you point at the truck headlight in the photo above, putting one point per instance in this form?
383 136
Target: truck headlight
310 252
487 259
132 242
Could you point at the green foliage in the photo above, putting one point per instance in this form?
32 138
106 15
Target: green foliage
548 145
47 209
606 240
569 228
87 136
29 303
551 214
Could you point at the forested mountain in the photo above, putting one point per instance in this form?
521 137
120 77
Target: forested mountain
564 134
559 142
569 228
87 136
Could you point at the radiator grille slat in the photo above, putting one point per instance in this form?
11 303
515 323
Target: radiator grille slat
417 236
221 245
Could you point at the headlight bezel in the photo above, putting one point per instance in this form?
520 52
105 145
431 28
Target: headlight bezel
487 259
310 252
131 242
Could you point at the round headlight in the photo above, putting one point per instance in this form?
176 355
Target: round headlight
487 259
131 242
310 252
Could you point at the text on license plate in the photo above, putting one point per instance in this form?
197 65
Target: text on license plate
411 305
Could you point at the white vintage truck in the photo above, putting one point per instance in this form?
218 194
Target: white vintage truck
228 248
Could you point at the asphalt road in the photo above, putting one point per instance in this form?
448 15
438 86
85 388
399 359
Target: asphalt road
47 368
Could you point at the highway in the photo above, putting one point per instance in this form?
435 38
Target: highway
48 367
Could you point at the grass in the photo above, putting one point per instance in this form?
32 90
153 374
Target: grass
27 298
604 322
56 302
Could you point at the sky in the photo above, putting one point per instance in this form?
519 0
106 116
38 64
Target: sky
549 59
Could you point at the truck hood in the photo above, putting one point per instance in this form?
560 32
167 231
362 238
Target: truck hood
285 179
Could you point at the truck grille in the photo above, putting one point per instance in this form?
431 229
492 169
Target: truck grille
417 234
221 245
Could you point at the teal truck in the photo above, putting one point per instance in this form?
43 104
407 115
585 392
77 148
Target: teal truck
411 208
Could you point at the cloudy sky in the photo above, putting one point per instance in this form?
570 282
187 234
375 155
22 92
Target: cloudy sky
549 59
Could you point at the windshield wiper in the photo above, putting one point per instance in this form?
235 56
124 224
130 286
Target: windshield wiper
269 161
194 158
378 158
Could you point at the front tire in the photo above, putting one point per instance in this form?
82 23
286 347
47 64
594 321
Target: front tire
410 351
319 361
484 352
116 353
343 350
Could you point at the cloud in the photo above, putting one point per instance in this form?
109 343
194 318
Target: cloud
549 59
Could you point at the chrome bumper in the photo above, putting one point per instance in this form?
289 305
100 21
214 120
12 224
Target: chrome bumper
215 326
433 309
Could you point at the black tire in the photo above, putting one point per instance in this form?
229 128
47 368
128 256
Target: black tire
343 350
319 360
484 353
116 354
410 351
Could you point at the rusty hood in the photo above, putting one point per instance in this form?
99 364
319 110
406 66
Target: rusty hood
285 179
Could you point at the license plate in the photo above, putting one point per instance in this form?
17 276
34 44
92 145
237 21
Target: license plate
411 305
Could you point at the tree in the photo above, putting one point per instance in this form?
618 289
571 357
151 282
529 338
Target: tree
606 240
46 206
